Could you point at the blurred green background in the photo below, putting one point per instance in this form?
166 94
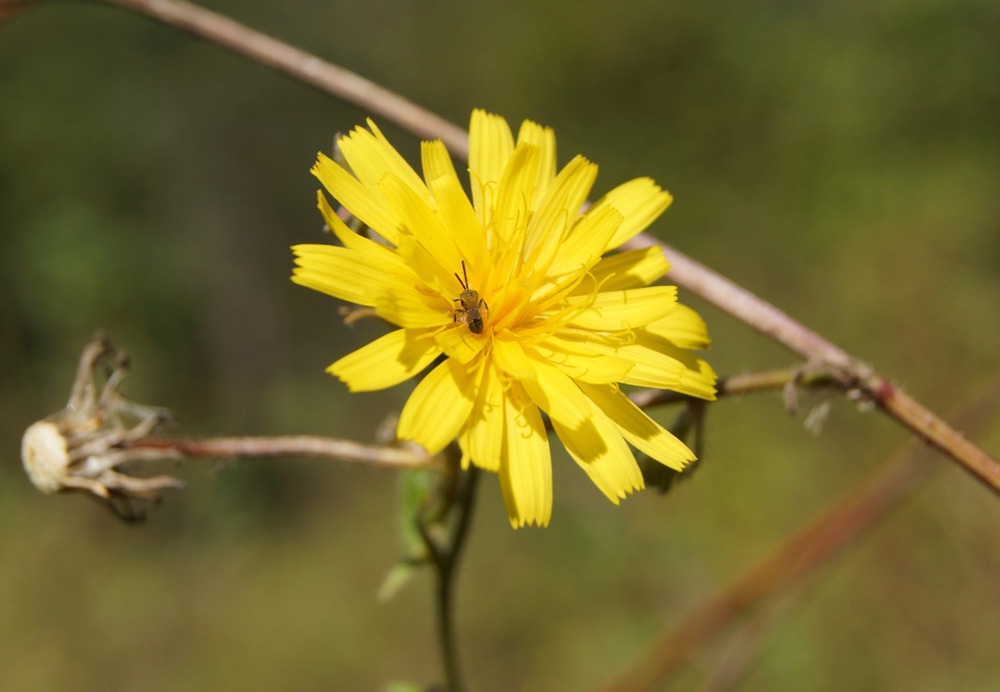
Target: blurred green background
841 160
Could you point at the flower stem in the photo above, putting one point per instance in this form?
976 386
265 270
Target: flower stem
379 456
445 552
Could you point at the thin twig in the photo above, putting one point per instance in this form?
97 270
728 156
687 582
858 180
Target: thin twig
935 430
685 272
800 556
379 456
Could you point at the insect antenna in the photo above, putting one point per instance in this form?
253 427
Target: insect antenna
465 284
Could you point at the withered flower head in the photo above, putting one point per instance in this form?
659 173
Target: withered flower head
84 446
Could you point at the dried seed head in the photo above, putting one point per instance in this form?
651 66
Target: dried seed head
83 446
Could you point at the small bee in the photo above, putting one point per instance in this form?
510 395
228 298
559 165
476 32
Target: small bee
471 303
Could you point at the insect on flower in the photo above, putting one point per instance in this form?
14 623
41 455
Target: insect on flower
471 303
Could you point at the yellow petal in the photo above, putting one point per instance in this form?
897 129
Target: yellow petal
423 223
357 277
438 408
453 204
557 212
599 449
586 243
698 379
364 203
544 140
684 328
482 438
511 359
490 147
657 359
387 361
436 161
631 269
618 310
460 219
640 430
526 467
352 240
425 265
461 344
583 364
651 367
548 387
371 157
412 309
514 194
640 202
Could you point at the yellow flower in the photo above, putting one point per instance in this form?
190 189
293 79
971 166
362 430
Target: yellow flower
514 290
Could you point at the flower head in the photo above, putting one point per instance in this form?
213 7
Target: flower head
514 290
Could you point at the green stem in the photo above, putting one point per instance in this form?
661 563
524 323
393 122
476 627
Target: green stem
445 554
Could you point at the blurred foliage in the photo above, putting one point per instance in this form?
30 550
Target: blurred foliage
840 160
